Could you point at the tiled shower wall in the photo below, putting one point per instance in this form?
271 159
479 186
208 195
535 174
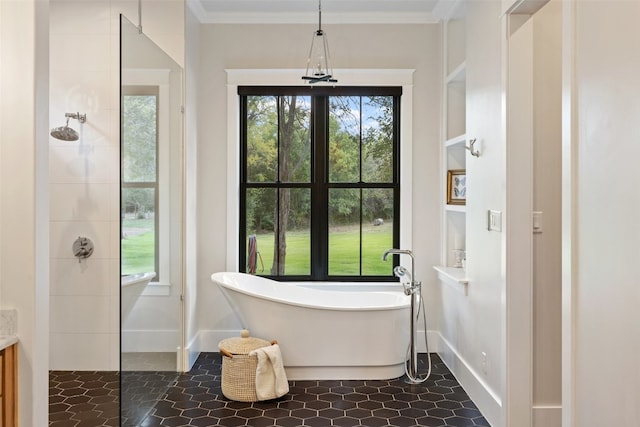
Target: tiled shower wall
84 181
84 175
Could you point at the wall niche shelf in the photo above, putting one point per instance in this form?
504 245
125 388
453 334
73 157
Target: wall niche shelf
456 208
453 276
456 141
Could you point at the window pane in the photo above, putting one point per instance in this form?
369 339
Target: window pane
278 129
344 231
262 138
377 150
139 138
295 138
278 253
295 211
377 230
138 230
344 139
260 229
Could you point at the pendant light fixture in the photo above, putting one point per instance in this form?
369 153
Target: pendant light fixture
318 63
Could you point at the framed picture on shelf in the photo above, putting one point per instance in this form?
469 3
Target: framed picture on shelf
456 187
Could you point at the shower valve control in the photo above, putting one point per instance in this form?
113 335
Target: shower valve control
82 248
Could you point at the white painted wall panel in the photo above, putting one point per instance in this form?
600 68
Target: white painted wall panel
547 198
24 265
605 329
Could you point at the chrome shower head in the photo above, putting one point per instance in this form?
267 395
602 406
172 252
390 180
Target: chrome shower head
65 133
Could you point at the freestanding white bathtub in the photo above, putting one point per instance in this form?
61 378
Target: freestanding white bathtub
324 334
131 286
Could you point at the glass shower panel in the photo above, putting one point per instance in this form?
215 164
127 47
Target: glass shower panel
151 226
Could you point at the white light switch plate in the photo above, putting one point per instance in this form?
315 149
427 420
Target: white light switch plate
494 219
537 222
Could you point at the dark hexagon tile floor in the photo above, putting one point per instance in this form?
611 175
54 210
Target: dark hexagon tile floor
84 399
195 399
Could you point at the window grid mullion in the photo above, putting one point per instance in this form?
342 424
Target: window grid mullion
276 253
320 191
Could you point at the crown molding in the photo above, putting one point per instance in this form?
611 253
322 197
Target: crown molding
445 10
304 17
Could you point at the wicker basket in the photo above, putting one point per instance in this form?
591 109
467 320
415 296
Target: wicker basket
238 368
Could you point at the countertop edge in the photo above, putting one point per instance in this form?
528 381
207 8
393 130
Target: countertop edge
7 341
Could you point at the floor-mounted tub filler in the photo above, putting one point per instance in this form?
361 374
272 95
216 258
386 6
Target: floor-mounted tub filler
412 288
335 333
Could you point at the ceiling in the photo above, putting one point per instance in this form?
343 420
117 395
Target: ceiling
306 11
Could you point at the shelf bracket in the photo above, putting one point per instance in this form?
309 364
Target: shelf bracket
472 150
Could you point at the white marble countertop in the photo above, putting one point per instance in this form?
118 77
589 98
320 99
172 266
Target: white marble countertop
7 341
8 327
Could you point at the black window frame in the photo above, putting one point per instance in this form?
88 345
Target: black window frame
319 183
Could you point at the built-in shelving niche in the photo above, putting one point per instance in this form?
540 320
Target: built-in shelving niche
454 141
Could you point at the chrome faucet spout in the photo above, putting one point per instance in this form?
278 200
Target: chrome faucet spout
396 252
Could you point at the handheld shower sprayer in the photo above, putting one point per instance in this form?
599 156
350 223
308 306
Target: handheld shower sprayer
399 271
407 282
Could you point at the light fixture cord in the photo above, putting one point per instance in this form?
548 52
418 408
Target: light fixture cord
319 16
140 16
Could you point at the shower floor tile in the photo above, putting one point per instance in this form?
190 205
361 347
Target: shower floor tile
195 399
84 399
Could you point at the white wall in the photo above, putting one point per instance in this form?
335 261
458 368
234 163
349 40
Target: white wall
474 323
84 175
547 194
286 46
601 320
23 210
478 322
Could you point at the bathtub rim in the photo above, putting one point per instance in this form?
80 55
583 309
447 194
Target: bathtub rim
298 290
135 278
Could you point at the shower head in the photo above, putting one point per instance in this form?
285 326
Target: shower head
65 133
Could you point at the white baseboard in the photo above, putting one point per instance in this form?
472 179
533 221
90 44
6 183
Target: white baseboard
547 416
485 398
191 352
